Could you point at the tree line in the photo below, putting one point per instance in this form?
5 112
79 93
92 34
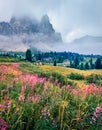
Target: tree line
75 60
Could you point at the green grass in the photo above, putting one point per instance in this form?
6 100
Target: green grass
30 68
8 59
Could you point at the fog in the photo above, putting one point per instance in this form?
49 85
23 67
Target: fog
72 18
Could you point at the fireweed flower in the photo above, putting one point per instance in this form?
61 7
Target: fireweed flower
23 89
92 89
21 98
46 83
3 124
68 87
45 113
7 102
37 98
97 115
31 98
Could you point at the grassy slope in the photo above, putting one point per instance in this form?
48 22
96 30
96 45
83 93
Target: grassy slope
28 106
57 72
45 70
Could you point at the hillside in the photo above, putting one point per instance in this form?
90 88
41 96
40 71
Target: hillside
65 75
47 97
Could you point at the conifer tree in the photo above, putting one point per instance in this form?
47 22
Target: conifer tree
98 64
28 55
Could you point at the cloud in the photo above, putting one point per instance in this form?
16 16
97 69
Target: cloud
73 35
73 18
12 44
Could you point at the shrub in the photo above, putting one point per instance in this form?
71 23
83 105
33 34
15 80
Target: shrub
93 78
63 80
76 76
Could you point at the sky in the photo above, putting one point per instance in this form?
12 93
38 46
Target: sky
73 18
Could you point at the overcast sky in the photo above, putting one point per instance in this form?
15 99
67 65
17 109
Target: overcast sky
73 18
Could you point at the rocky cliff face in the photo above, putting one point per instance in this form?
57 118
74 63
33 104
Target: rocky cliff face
28 33
24 25
6 29
29 26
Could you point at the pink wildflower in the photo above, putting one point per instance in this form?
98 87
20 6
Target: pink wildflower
21 98
37 99
97 115
45 113
3 124
31 98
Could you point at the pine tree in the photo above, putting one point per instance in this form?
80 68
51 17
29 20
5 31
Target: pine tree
86 66
71 65
28 55
91 63
81 66
55 63
98 64
39 57
76 62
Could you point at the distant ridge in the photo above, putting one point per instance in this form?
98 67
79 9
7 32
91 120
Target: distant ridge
89 38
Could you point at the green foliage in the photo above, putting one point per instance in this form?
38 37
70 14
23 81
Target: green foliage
81 66
91 63
8 59
39 57
86 66
76 76
93 78
28 55
55 63
30 68
60 79
98 64
76 62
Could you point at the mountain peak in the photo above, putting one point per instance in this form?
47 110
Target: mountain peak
13 19
28 32
45 19
45 26
28 25
23 20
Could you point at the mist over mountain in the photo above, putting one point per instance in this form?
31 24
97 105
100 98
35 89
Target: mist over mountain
89 38
87 45
26 33
22 33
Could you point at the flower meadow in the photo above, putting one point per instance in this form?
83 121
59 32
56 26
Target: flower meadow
32 102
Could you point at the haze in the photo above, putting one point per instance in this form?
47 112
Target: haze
73 18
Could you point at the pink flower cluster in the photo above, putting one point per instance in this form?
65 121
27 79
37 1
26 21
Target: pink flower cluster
35 98
92 89
97 115
45 113
68 87
30 81
85 90
3 124
6 104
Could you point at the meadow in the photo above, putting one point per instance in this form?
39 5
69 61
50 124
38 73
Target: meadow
42 97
